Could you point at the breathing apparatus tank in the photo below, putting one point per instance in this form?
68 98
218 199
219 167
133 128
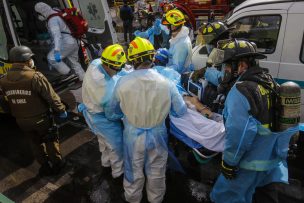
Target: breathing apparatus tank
290 106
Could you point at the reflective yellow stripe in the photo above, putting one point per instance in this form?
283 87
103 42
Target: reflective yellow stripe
4 67
70 4
266 125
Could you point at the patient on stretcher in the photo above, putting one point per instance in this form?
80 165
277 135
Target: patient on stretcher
199 128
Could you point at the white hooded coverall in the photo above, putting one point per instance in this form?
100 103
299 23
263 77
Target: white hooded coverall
63 42
97 88
145 98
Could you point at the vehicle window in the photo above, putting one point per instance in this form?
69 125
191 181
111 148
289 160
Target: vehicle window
203 50
93 12
3 42
6 41
302 51
262 30
17 18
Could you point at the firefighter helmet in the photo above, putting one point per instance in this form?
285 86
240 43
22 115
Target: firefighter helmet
114 56
139 48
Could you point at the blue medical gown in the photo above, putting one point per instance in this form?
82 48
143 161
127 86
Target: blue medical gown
213 75
173 76
181 52
97 121
259 153
156 136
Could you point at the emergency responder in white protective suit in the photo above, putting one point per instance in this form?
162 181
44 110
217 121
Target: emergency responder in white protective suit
144 99
97 89
180 43
64 45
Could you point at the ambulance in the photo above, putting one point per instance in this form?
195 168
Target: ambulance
19 25
277 27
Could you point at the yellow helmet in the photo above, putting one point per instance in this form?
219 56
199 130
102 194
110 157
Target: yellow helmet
139 48
174 17
114 56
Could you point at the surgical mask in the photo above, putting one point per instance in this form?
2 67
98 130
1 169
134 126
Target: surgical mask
32 64
41 18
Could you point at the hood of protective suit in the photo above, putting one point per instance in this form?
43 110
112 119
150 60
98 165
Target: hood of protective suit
184 32
44 9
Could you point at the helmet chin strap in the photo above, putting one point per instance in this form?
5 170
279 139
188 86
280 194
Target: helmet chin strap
112 68
178 28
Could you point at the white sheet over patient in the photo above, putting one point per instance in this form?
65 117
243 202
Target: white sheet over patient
209 133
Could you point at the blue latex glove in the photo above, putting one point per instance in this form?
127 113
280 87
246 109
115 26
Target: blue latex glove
157 28
57 56
136 33
157 22
63 115
151 31
81 107
213 75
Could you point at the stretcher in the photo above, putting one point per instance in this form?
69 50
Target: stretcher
204 135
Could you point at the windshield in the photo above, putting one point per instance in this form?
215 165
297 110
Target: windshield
228 15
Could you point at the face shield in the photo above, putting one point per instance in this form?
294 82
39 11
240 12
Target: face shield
208 38
216 57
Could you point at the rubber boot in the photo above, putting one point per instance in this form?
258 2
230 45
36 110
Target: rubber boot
106 171
117 187
46 169
58 166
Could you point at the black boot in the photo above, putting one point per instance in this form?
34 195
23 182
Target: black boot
58 166
46 169
116 187
106 171
123 198
118 181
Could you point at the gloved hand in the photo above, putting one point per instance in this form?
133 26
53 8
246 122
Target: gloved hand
229 172
157 28
157 22
57 56
81 107
198 74
150 31
136 33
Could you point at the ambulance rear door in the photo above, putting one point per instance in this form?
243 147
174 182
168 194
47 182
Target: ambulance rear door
101 31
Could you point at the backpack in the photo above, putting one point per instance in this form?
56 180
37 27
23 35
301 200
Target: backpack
74 20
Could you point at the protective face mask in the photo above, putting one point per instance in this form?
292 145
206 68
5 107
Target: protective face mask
41 18
32 64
